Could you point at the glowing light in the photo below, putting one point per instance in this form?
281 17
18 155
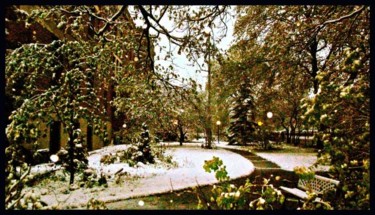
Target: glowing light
260 123
218 122
54 158
269 115
141 203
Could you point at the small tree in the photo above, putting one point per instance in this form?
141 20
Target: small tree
242 125
144 148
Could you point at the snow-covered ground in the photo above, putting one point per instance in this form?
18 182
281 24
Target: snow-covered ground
148 179
143 180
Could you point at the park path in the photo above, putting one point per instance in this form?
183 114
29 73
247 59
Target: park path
286 159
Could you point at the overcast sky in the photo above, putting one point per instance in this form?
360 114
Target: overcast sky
182 65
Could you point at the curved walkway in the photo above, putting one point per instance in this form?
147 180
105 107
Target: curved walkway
286 159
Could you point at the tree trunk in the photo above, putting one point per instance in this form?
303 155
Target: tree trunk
182 135
208 122
71 129
294 136
71 156
110 110
265 139
314 63
209 138
288 136
319 142
243 137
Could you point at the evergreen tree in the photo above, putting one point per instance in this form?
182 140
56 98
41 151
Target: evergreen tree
144 154
242 125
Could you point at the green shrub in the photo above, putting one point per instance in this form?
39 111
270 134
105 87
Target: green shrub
227 196
95 204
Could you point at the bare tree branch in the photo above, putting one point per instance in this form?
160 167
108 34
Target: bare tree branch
321 26
113 18
146 15
216 10
163 13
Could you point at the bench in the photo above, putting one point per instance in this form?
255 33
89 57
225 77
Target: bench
318 185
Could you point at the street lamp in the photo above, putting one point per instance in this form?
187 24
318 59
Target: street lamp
218 123
269 115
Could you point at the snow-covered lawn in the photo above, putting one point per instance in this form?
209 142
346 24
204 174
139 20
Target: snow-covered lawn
144 180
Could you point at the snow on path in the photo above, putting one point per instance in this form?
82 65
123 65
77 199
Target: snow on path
286 160
289 161
154 179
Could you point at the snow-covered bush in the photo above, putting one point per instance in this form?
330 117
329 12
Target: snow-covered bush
144 149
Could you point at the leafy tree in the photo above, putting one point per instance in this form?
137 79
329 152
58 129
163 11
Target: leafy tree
327 47
194 40
57 87
346 119
308 38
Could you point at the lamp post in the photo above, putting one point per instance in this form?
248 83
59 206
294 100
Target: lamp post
218 123
269 116
265 129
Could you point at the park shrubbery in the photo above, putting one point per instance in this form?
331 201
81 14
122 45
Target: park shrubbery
227 196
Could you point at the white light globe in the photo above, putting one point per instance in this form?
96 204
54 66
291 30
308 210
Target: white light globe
54 158
269 115
141 203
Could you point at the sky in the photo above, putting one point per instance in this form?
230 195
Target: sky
182 65
190 72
